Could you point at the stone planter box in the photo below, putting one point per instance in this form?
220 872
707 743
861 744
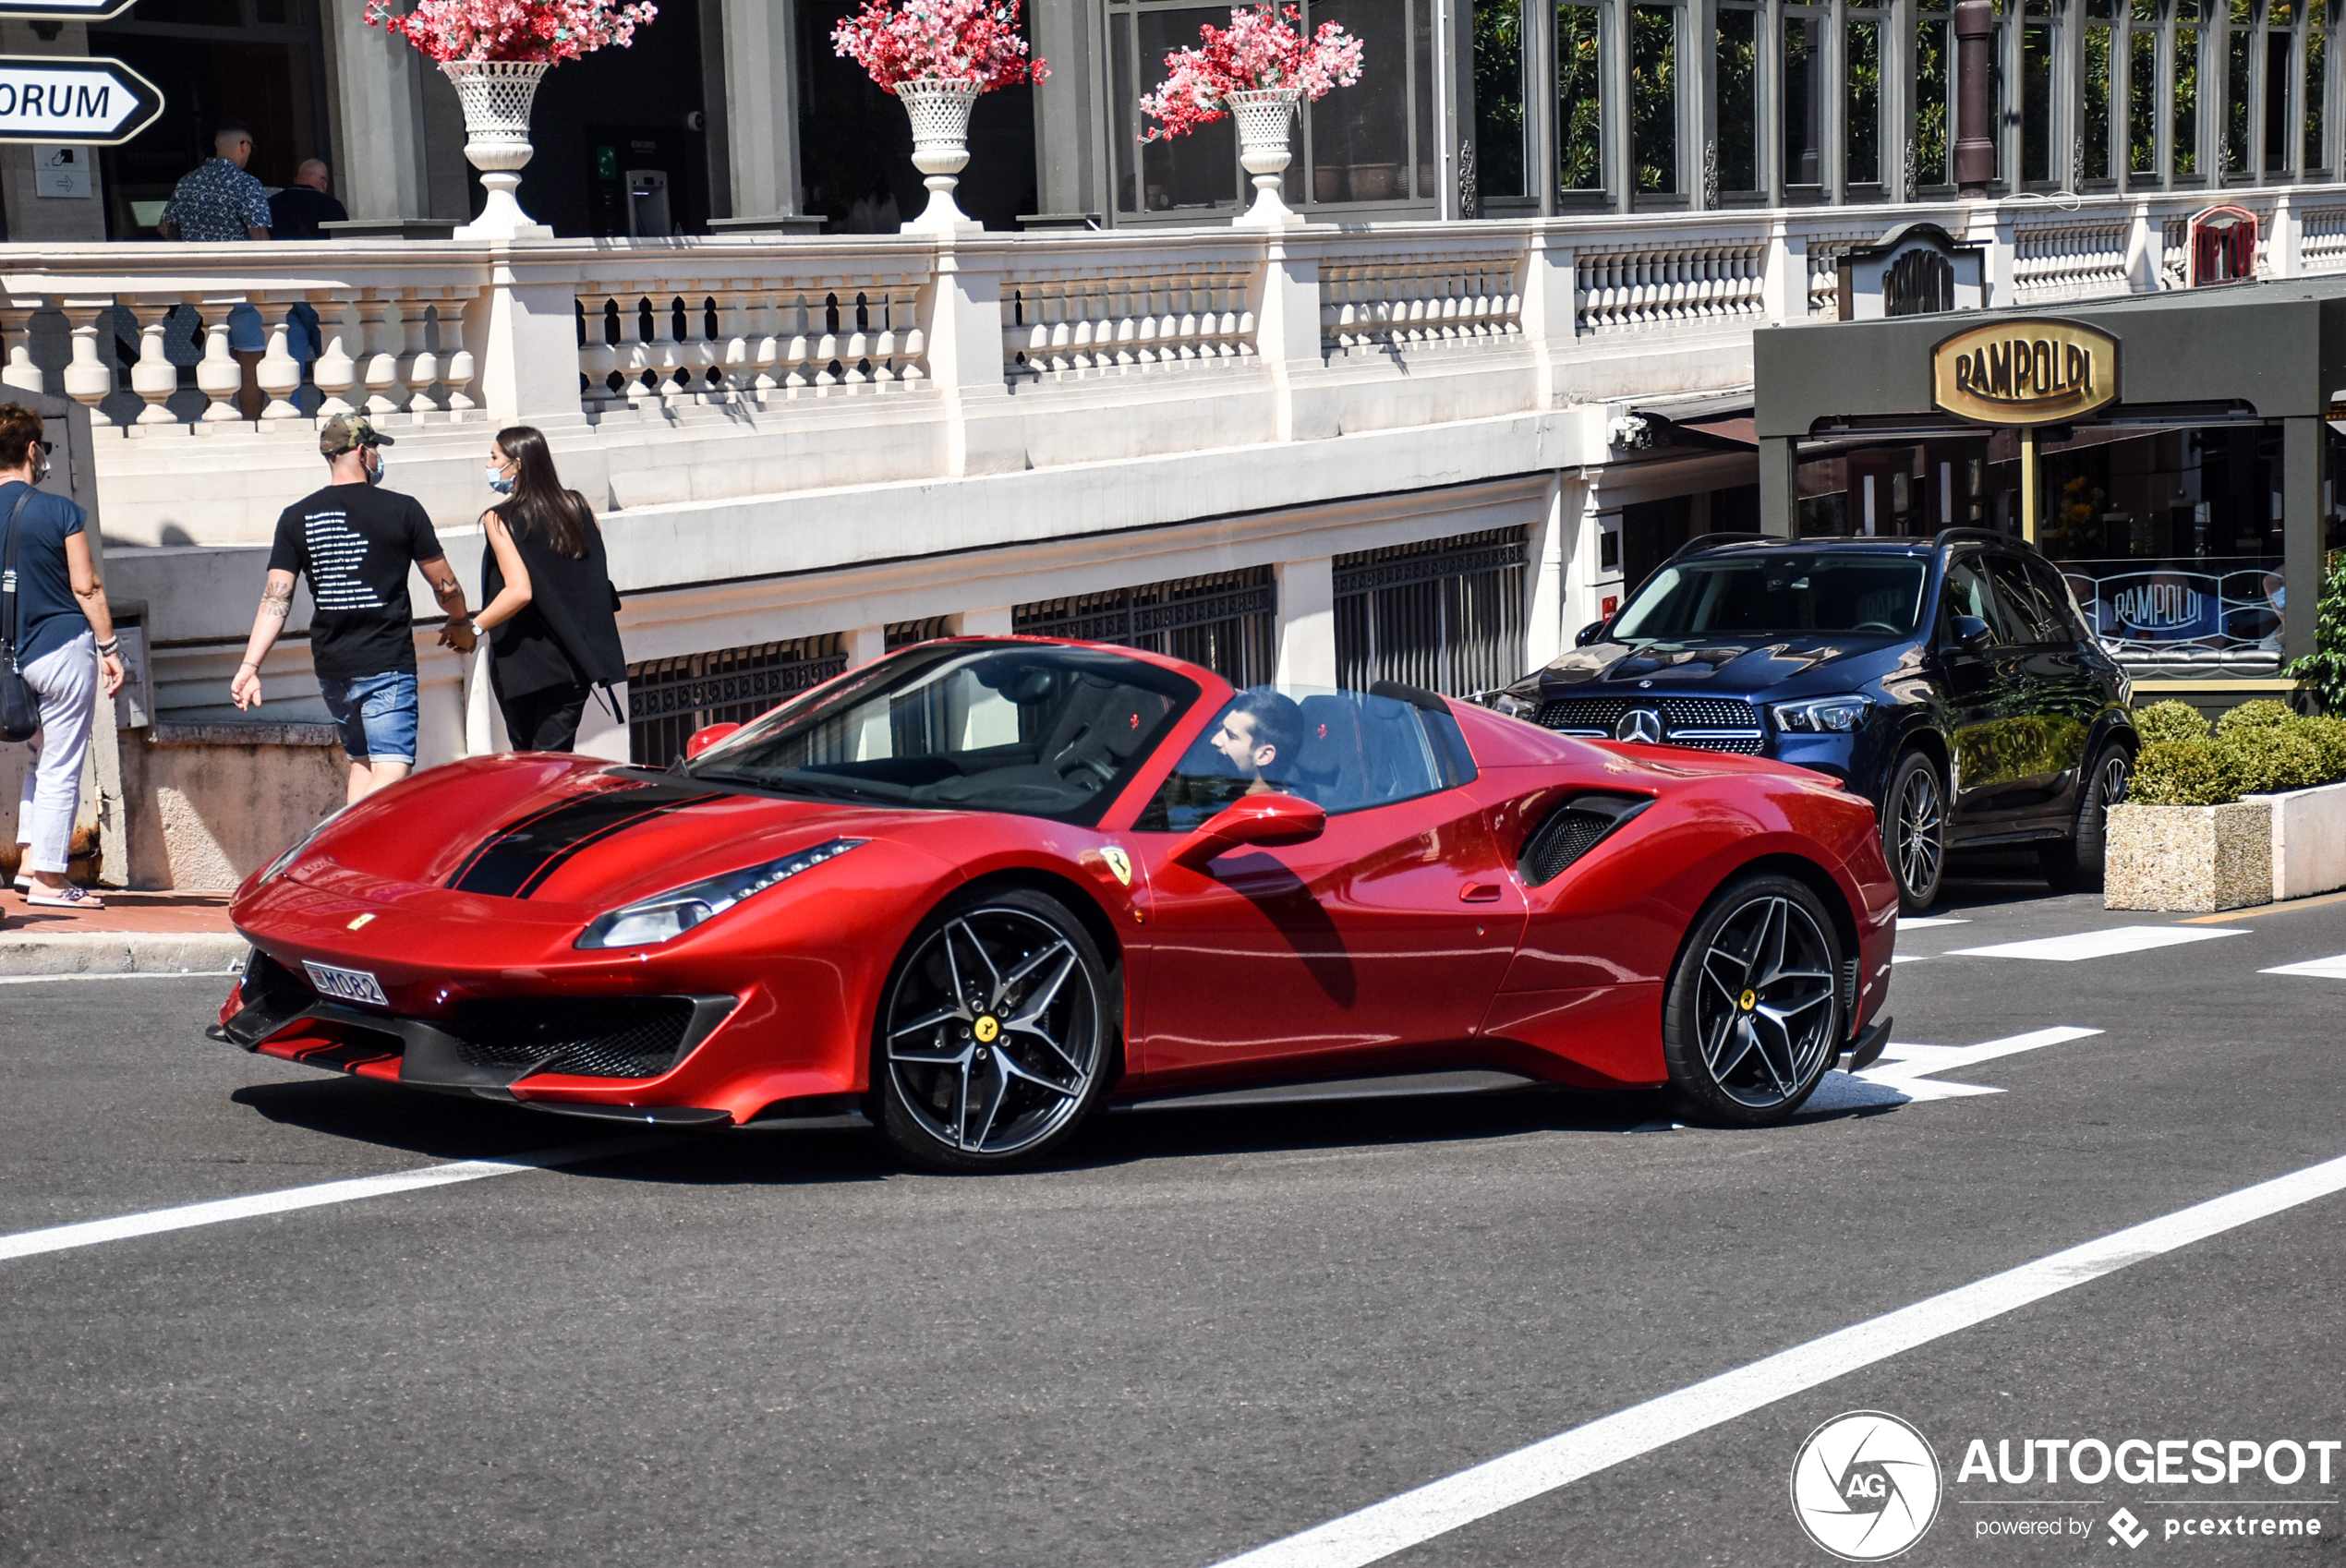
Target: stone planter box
2309 840
2197 857
2256 850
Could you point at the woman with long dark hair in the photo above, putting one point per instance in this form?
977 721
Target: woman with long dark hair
552 619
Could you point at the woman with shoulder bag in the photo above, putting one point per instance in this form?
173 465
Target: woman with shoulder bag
59 641
551 616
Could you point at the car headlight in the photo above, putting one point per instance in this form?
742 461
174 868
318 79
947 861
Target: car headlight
277 866
1513 705
665 916
1824 716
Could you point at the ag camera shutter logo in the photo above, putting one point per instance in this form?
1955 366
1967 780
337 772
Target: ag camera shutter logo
1866 1486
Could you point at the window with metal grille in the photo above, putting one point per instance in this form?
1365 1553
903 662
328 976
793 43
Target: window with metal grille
1225 620
1443 614
668 699
904 633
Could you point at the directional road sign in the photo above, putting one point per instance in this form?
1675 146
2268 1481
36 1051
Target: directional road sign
63 10
60 98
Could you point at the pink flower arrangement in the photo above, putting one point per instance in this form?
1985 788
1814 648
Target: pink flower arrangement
938 41
1260 50
547 31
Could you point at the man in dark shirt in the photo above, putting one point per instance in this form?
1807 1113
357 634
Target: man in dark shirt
355 542
296 211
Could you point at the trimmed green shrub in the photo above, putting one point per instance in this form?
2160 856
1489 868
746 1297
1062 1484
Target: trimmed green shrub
2182 773
2262 714
2329 734
2171 720
2268 761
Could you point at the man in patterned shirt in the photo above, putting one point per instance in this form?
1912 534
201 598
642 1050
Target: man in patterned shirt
355 541
218 200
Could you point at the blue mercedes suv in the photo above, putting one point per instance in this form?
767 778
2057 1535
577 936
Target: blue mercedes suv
1952 681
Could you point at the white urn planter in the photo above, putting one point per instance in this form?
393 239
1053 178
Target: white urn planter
940 115
1265 121
496 95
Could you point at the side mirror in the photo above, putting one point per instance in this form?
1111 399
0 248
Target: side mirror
1971 632
1256 819
1589 633
704 738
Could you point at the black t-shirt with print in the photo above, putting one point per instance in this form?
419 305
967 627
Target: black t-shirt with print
356 543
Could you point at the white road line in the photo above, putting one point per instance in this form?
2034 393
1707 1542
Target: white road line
89 1233
2098 943
142 974
2320 969
1924 923
1906 1072
1415 1518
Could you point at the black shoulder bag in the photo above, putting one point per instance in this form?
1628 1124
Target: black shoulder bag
19 709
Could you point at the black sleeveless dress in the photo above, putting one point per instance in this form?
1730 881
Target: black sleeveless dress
548 658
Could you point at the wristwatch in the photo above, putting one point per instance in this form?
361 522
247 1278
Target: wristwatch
477 629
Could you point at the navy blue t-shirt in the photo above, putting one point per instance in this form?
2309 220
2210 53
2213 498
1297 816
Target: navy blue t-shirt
48 616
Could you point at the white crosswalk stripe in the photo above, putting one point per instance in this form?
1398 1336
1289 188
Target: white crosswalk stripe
2103 944
2320 969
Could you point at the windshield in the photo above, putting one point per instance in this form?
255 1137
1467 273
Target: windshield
1010 726
1778 595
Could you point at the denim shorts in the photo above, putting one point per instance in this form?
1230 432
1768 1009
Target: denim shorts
376 715
247 331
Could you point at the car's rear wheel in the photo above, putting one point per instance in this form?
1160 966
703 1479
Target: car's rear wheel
2075 866
1752 1015
997 1033
1913 832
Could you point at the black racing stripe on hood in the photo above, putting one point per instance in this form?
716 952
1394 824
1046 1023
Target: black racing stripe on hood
517 859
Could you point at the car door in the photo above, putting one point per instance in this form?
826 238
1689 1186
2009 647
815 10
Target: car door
1982 683
1389 932
2056 700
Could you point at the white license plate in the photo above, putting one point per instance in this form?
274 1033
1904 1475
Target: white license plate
346 985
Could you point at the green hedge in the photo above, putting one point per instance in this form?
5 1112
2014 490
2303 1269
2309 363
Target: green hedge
2259 748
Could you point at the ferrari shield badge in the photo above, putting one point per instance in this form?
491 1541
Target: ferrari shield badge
1119 862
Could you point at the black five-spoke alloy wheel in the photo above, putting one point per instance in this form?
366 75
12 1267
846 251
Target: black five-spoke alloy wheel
997 1034
1913 832
1753 1016
2075 866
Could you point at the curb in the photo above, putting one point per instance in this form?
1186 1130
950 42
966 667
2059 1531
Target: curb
118 952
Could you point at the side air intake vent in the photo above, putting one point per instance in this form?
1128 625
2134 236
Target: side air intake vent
1572 830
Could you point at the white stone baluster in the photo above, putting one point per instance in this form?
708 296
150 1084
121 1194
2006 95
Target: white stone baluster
856 319
336 371
418 367
733 353
88 379
218 375
883 328
765 344
382 334
154 376
16 327
704 345
671 355
280 371
456 364
904 308
797 351
835 315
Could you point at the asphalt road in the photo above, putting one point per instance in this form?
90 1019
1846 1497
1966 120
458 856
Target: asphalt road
1193 1335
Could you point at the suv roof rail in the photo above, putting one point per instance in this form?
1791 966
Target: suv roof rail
1704 541
1985 536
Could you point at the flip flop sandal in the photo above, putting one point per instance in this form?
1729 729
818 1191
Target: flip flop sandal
67 897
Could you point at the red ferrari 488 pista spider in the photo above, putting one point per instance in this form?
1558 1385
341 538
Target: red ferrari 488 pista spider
977 889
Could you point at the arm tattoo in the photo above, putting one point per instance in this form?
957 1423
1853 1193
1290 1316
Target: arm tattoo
277 600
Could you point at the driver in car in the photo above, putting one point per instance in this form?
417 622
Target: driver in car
1260 735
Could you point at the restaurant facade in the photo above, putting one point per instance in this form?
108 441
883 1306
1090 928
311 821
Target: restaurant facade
2171 454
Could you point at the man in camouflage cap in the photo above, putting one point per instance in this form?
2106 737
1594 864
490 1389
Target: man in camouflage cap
356 540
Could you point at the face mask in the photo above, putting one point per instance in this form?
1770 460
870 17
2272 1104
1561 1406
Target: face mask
41 472
497 480
375 474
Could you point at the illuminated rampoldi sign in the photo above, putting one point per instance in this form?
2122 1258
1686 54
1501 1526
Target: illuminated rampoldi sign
2023 372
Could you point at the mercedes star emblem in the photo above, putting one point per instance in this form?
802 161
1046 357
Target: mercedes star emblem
1639 724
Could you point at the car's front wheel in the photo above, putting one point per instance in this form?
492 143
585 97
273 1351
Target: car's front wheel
997 1033
2075 864
1913 832
1752 1015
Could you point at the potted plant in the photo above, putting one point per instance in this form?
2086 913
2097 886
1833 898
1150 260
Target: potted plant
936 56
2249 813
1258 68
497 52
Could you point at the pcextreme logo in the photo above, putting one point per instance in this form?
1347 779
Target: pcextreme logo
1866 1486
